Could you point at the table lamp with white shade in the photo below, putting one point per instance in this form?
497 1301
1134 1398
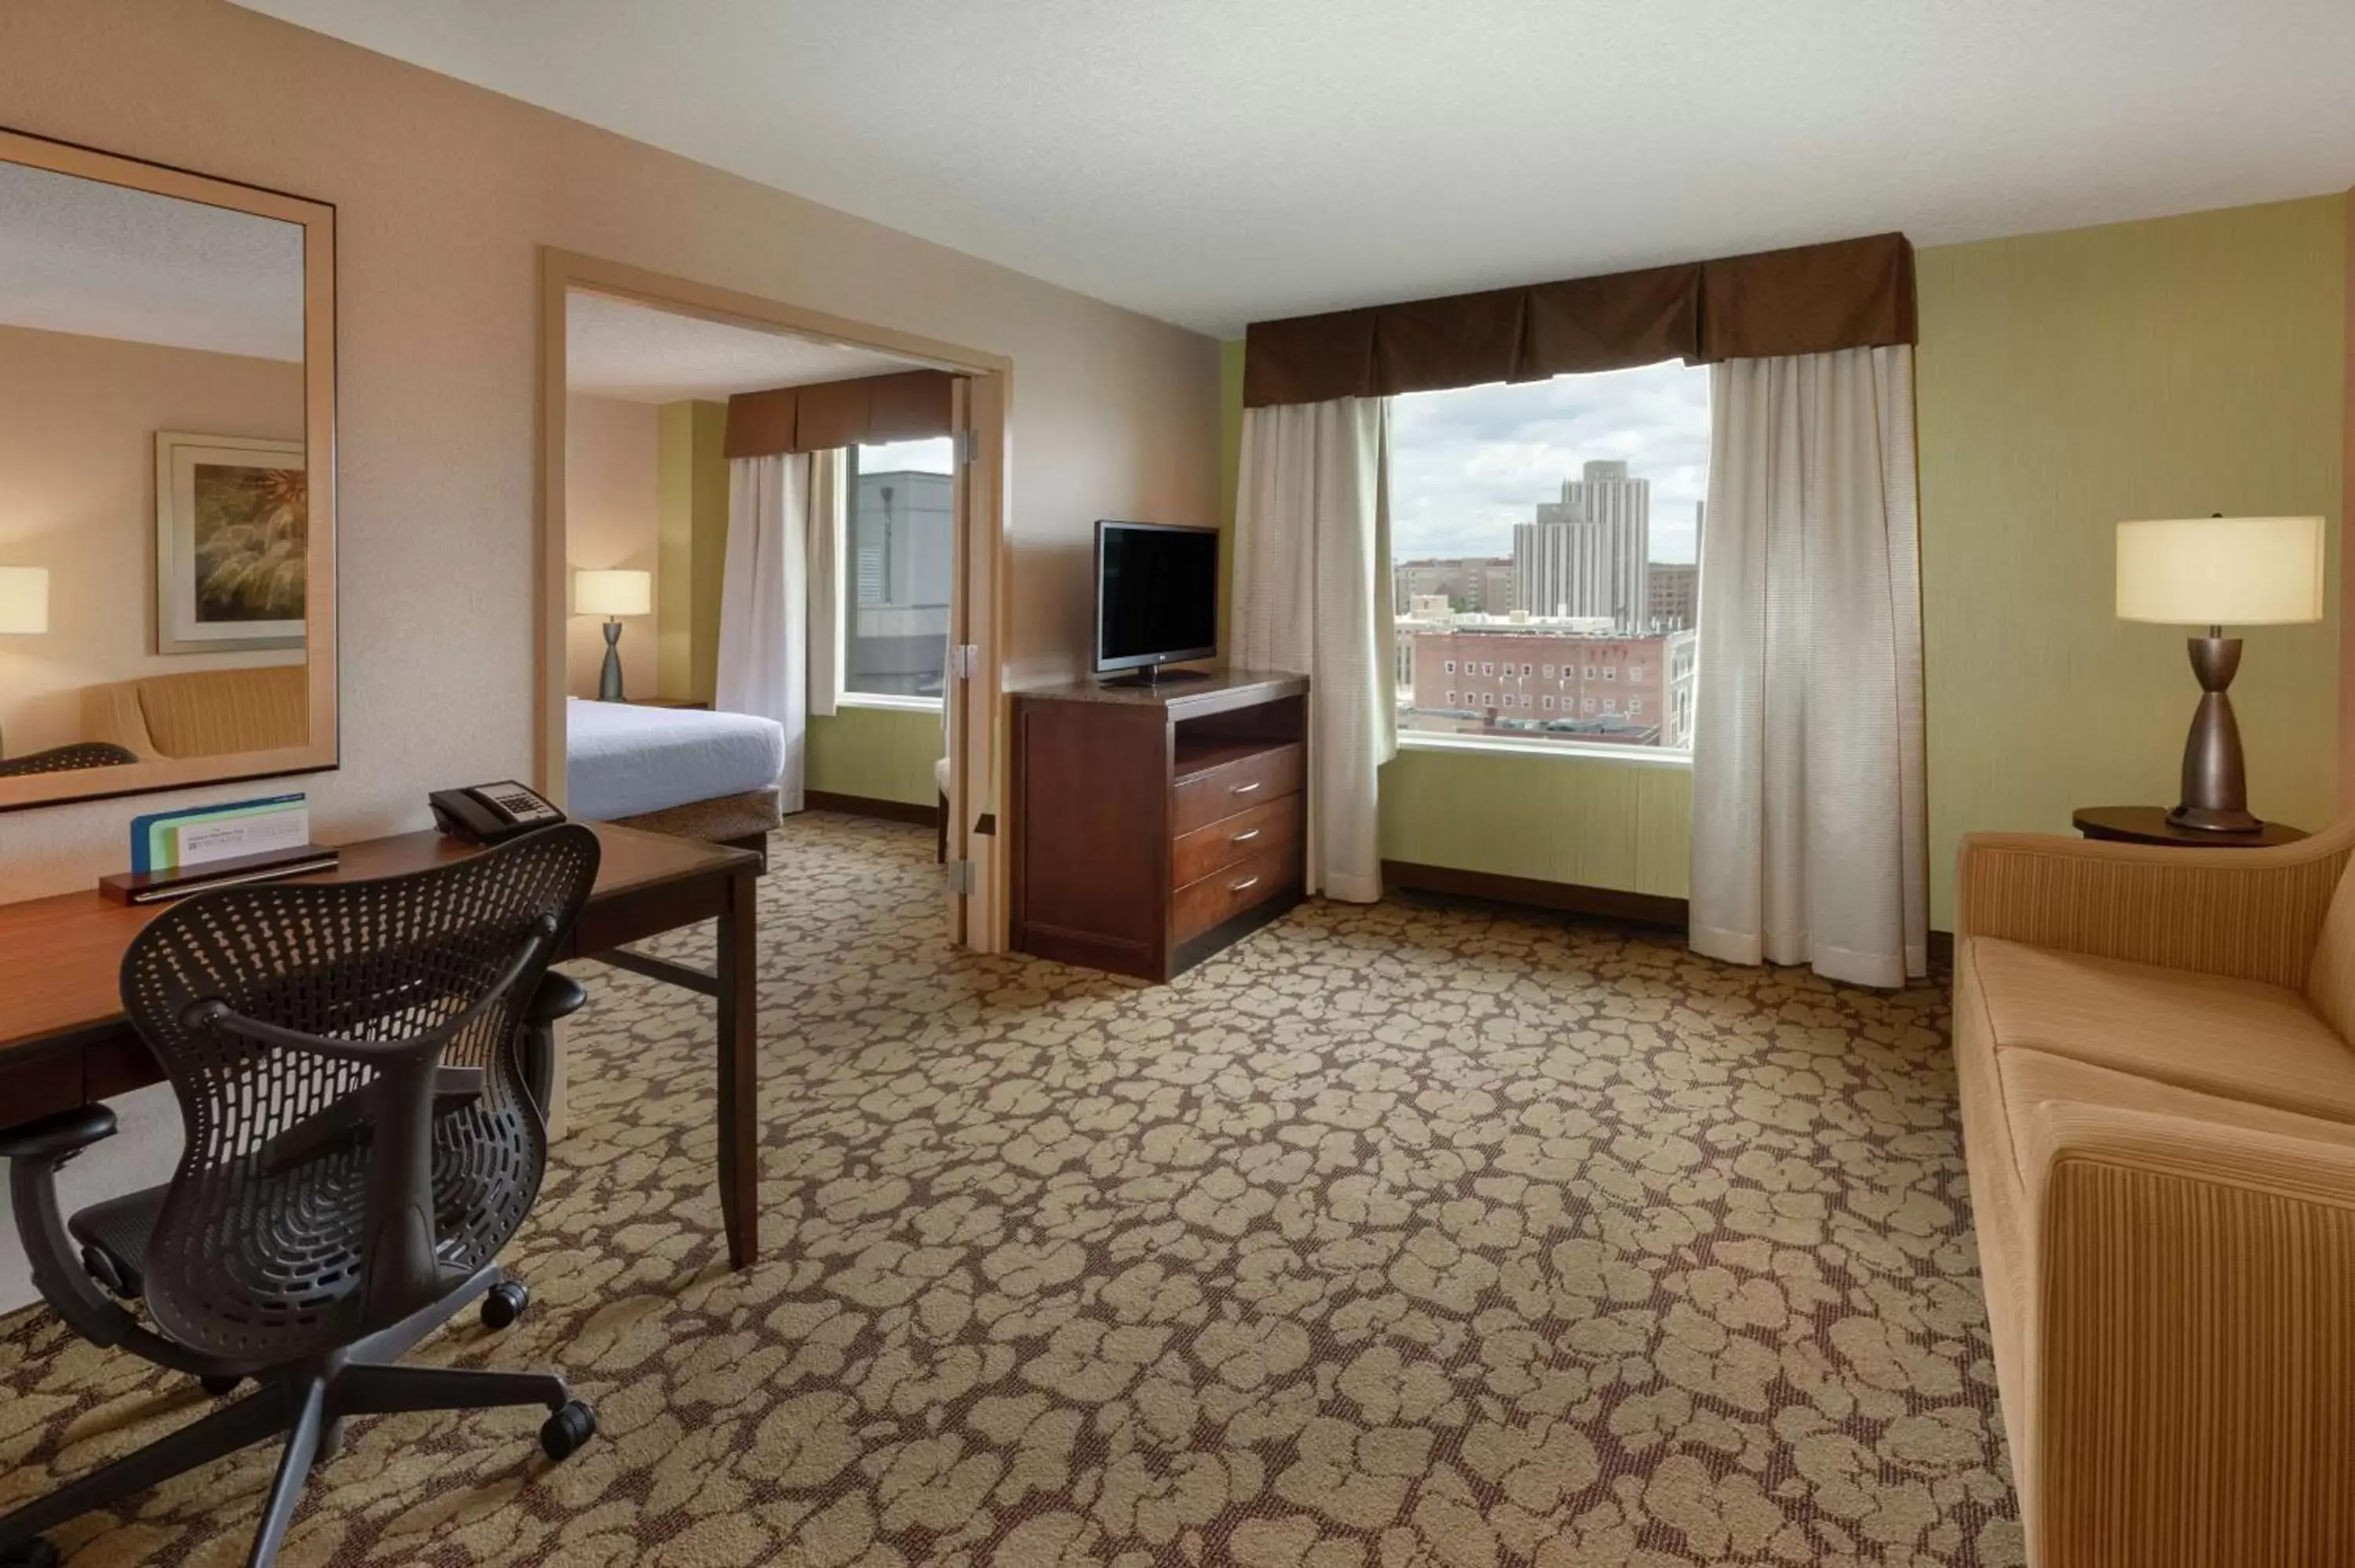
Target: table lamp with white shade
23 600
613 594
2218 572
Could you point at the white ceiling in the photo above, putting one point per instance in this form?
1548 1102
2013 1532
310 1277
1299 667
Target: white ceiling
1214 162
616 349
106 260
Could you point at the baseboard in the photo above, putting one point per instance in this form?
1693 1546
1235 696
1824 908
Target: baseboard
1609 903
868 806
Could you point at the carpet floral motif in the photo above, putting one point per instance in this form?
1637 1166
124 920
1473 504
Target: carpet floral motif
1418 1234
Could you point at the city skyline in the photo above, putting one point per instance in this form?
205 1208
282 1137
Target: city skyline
1467 465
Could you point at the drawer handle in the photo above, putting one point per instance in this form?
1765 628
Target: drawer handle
1247 788
1246 838
1247 882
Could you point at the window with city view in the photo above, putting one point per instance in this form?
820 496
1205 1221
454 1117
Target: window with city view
1544 542
897 567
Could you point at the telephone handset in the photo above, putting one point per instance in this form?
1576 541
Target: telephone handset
491 813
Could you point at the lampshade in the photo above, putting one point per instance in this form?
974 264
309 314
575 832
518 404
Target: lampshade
612 593
24 598
2220 571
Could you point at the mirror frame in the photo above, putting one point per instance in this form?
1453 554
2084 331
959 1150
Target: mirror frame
323 751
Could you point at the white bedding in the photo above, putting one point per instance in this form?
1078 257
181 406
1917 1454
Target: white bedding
621 760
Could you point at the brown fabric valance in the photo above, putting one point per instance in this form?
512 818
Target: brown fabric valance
907 406
1851 293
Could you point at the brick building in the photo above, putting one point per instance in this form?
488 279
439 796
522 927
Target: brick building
1674 589
1548 681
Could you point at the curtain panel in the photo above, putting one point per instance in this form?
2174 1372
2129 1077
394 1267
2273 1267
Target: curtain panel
1312 596
1813 299
907 406
764 605
1808 843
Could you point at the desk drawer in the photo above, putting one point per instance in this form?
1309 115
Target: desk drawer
1224 894
1197 855
1217 793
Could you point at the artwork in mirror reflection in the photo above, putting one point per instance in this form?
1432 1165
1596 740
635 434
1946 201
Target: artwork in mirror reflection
153 476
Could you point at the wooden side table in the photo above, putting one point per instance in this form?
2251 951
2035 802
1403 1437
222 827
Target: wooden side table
2148 825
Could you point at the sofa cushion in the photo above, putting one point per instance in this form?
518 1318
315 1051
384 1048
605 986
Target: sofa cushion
210 712
2230 1038
2330 972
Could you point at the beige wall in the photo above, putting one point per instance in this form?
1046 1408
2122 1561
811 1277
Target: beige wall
78 422
611 519
444 195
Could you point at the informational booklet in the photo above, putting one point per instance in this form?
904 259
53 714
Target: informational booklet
169 841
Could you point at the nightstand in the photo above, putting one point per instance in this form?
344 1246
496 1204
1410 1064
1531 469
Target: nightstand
2148 825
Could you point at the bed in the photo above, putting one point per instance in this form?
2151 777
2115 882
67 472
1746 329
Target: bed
681 771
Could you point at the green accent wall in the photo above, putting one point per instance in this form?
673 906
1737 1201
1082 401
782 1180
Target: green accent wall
1594 820
691 485
881 754
2065 382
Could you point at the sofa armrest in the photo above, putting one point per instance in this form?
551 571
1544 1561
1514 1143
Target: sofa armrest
2253 914
2191 1288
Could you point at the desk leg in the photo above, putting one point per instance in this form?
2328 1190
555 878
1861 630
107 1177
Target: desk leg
739 1073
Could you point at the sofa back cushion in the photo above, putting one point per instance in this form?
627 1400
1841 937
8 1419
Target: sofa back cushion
2330 974
208 712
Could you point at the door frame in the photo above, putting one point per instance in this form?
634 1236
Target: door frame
978 616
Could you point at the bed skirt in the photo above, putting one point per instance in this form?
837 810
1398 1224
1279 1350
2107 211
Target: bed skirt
743 820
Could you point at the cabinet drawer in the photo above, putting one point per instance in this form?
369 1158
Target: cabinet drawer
1196 855
1221 792
1224 894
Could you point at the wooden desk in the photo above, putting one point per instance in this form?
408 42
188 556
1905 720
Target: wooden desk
64 1041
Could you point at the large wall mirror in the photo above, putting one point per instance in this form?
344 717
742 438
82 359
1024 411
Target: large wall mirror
168 372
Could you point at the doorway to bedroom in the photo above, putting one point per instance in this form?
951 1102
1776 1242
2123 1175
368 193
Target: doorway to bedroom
770 571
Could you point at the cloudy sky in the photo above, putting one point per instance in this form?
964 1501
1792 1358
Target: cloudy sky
1467 465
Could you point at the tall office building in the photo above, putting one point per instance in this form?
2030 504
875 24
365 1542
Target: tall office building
1587 554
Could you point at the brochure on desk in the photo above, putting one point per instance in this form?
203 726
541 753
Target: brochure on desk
172 840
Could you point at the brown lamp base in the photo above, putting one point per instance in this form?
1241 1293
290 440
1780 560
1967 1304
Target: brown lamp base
2216 778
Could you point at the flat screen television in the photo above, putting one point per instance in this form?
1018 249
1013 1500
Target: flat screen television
1157 596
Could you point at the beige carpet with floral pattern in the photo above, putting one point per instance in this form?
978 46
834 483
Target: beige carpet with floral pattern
1420 1233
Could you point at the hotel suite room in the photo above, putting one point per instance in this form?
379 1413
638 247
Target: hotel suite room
1774 1129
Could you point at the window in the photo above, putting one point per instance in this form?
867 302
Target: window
1451 700
898 563
1568 511
1451 666
1634 705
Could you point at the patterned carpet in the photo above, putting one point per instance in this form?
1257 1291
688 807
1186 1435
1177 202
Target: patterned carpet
1420 1234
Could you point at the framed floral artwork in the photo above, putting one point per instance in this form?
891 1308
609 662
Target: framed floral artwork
232 532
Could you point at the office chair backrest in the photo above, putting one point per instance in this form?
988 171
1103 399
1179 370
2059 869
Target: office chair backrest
345 1058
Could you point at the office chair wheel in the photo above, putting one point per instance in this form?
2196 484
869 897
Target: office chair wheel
564 1433
34 1553
504 1304
219 1386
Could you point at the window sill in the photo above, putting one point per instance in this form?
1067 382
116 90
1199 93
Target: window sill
887 703
1586 750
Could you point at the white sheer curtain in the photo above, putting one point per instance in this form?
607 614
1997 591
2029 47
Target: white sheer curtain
765 604
1807 833
1312 537
826 475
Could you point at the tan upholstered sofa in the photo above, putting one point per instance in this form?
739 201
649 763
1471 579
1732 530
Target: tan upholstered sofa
2158 1107
201 713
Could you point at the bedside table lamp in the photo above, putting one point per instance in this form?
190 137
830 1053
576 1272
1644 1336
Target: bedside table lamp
23 600
612 595
2218 571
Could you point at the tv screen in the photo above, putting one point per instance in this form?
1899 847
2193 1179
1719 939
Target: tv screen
1157 594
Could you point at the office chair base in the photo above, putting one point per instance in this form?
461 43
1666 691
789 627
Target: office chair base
307 1407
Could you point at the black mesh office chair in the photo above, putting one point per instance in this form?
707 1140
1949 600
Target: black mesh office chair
66 758
354 1063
